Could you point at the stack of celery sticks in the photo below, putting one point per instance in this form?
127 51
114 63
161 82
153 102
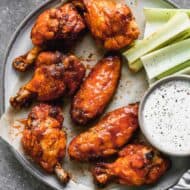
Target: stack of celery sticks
165 49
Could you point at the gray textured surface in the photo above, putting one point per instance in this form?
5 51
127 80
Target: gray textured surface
12 174
183 3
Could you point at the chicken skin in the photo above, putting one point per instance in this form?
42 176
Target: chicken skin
96 91
61 25
55 75
112 132
110 22
57 23
44 140
136 165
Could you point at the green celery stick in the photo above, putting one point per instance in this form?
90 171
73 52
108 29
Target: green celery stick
160 62
176 26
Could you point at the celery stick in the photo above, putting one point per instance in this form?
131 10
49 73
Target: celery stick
157 17
162 15
169 32
178 69
162 60
184 71
151 27
135 67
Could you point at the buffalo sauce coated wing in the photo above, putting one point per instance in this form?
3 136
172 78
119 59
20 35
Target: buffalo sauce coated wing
63 22
136 165
112 132
43 139
96 91
110 22
54 28
55 75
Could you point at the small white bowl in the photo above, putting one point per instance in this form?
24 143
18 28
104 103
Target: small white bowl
142 118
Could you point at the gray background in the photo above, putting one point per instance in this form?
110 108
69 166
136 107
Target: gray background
12 175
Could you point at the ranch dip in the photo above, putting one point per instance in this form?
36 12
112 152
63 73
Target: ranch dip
166 117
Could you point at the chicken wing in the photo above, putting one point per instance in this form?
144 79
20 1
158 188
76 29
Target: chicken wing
43 139
110 22
55 75
62 22
61 25
24 62
96 91
112 132
136 165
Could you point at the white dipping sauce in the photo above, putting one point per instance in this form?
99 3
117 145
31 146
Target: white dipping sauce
166 117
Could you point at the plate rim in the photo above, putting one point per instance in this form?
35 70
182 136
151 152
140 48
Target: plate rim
20 159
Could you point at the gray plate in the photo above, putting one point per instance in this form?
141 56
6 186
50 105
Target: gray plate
133 88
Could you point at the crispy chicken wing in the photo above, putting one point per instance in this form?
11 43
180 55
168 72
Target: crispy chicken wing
23 62
43 139
136 165
61 25
112 132
57 23
110 22
96 91
55 75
